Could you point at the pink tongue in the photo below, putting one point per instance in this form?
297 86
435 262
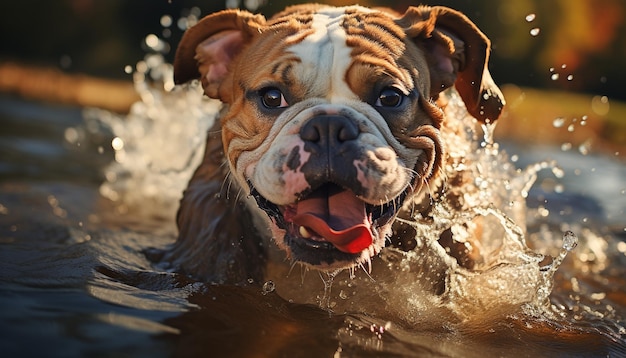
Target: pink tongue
340 218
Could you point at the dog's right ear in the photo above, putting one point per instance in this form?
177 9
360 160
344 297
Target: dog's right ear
208 48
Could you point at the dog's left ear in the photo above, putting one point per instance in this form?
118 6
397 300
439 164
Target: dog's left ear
457 53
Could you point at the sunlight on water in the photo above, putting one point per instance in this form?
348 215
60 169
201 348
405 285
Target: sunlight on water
160 142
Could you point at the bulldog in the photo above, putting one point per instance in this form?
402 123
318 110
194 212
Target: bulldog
330 125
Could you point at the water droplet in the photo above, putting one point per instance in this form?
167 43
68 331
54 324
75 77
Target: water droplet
530 17
152 40
534 31
71 135
558 172
566 146
117 143
570 241
253 5
554 77
598 296
195 11
570 77
558 122
584 148
166 21
182 23
600 105
268 287
128 69
563 66
571 128
142 67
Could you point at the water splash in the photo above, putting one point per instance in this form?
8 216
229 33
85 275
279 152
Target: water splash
158 144
486 217
570 241
268 287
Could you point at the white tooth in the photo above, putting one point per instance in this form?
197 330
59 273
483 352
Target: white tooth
305 233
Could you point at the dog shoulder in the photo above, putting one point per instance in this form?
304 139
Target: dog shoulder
213 243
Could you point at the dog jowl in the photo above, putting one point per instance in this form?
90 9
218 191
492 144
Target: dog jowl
331 122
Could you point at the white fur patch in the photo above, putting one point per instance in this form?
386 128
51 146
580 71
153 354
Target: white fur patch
325 55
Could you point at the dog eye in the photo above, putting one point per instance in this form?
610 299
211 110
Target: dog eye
273 98
389 97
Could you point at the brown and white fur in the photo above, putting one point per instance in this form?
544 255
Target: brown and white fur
331 123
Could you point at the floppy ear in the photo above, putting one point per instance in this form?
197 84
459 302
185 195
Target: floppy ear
457 53
208 48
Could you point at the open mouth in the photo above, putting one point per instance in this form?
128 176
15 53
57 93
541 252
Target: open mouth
330 223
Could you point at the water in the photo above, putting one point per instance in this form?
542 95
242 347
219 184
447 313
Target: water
85 192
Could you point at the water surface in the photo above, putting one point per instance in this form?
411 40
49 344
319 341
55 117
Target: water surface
78 208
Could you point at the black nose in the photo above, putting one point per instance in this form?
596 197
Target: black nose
329 131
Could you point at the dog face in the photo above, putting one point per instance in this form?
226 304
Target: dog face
331 121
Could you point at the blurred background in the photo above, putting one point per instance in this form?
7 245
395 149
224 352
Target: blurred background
564 58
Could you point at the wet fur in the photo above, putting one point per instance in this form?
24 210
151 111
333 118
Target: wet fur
220 240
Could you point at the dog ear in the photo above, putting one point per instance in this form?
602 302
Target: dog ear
457 53
207 48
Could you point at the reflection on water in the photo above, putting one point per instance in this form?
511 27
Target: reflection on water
75 280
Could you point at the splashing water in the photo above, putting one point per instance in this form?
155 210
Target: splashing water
160 142
427 283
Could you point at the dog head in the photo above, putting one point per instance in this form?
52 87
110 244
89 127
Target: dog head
330 119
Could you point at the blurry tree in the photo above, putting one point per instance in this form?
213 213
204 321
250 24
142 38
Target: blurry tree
566 44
